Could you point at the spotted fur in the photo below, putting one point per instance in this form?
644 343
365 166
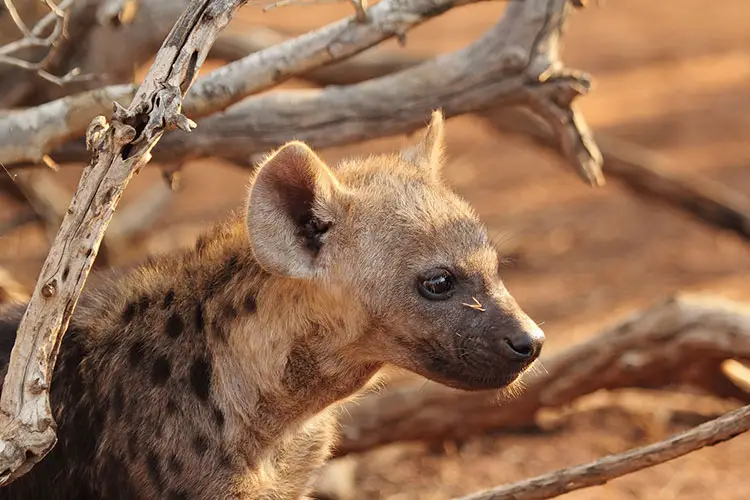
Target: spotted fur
216 372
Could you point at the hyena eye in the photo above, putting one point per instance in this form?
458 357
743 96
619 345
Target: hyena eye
437 284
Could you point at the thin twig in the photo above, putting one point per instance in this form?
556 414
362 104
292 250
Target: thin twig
32 38
718 430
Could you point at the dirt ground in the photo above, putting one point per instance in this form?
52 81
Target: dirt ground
670 75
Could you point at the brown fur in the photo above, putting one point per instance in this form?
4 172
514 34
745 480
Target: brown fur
217 372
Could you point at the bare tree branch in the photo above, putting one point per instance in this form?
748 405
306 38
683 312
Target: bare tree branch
25 136
119 149
515 63
681 341
57 18
716 431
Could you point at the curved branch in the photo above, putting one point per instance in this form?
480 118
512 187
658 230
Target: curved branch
718 430
515 63
223 87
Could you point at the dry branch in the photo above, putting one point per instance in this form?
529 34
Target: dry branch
25 136
119 149
681 341
716 431
515 63
35 38
372 63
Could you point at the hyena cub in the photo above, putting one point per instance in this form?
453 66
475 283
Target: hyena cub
216 372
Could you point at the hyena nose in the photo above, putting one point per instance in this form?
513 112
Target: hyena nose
524 344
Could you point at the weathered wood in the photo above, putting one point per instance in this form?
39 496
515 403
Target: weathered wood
28 134
120 149
681 341
515 63
557 483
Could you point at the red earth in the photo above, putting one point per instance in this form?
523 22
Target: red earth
671 76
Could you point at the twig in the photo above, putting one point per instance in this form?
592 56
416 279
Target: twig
120 149
718 430
681 341
32 38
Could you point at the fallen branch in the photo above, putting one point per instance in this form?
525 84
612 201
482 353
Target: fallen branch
716 431
120 149
681 341
27 135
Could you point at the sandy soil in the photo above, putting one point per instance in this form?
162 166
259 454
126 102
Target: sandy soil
672 76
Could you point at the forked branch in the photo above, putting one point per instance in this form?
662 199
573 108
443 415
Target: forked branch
119 149
34 37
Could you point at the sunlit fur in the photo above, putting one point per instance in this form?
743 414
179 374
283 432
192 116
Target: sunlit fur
219 371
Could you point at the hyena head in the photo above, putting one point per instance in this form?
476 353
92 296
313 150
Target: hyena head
400 250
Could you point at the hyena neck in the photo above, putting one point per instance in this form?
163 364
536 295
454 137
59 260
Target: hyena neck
280 350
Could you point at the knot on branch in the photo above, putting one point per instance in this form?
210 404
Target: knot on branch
96 133
552 97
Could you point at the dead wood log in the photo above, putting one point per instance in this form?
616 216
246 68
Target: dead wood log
557 483
120 148
682 341
28 134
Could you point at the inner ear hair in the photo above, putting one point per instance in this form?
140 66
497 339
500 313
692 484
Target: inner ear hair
286 227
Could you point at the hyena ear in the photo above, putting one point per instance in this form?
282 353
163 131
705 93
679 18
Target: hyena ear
429 152
287 215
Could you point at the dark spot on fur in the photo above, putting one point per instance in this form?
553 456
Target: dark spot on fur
200 444
225 274
175 325
176 495
199 322
200 377
218 331
152 463
230 312
171 406
143 303
66 273
136 353
301 370
168 299
118 401
129 312
161 370
132 444
250 304
225 460
174 464
219 417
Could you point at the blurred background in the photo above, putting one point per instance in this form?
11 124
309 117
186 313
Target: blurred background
670 76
